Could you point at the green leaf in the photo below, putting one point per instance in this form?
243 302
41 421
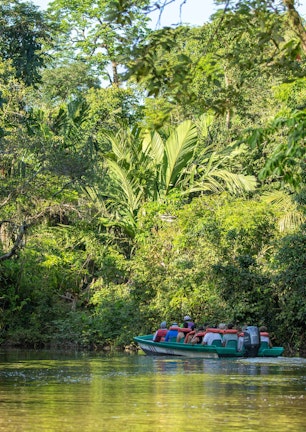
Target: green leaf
179 150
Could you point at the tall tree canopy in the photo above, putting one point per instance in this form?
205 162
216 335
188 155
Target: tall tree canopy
101 32
23 31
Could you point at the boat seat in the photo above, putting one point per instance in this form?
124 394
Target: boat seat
231 344
217 342
264 345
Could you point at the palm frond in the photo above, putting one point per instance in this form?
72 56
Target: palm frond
208 184
123 184
96 199
218 180
117 146
179 149
204 123
236 183
291 217
153 146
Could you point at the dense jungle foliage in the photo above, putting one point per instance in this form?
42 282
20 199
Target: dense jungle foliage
149 174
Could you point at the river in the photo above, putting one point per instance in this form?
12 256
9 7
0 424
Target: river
85 392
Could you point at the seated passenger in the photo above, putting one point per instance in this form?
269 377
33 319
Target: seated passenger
229 334
189 321
161 332
181 333
190 335
198 336
264 335
240 336
172 333
211 335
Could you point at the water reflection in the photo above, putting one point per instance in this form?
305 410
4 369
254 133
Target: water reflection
44 391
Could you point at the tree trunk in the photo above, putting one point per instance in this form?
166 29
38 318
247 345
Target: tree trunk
228 110
18 241
302 351
115 74
296 22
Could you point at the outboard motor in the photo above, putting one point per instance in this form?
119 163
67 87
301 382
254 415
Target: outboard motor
251 341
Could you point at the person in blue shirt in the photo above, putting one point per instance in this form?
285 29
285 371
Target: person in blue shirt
172 333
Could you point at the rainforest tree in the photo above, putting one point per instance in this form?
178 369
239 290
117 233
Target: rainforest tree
23 32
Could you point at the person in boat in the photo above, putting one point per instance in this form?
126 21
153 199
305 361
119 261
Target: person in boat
240 336
264 335
190 335
172 332
229 334
189 321
213 334
182 332
160 334
198 336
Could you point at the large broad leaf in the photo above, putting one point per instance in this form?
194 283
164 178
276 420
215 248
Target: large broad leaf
153 146
179 151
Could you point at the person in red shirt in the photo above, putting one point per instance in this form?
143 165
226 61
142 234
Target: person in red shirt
161 332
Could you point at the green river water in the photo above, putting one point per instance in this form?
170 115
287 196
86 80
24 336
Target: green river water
45 391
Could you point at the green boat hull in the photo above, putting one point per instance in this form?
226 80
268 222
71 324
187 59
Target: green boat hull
150 347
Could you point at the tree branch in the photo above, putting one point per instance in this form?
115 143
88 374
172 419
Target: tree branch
18 242
296 22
